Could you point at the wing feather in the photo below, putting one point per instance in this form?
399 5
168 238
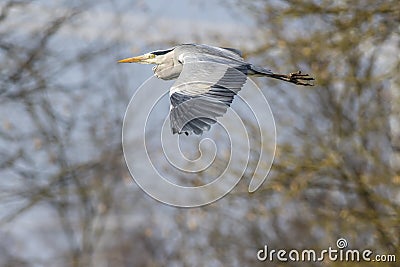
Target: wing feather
234 50
204 91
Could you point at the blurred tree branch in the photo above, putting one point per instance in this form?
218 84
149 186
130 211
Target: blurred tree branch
333 176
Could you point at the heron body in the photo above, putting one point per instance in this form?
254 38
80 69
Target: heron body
207 80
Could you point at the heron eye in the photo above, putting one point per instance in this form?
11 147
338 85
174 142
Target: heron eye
152 56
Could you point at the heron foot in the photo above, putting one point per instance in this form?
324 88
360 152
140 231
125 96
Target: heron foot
295 77
300 78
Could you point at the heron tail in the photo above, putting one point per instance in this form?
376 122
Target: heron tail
295 77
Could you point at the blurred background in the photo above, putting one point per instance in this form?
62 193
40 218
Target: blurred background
66 196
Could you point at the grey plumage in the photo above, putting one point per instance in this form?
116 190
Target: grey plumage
208 78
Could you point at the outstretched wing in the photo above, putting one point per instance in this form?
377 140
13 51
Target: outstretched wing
204 91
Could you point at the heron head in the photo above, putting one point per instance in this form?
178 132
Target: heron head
155 57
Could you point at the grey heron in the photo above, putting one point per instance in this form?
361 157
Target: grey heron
208 78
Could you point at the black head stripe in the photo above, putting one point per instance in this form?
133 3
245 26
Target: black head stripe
161 52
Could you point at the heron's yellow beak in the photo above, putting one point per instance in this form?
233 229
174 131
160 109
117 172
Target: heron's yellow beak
139 59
